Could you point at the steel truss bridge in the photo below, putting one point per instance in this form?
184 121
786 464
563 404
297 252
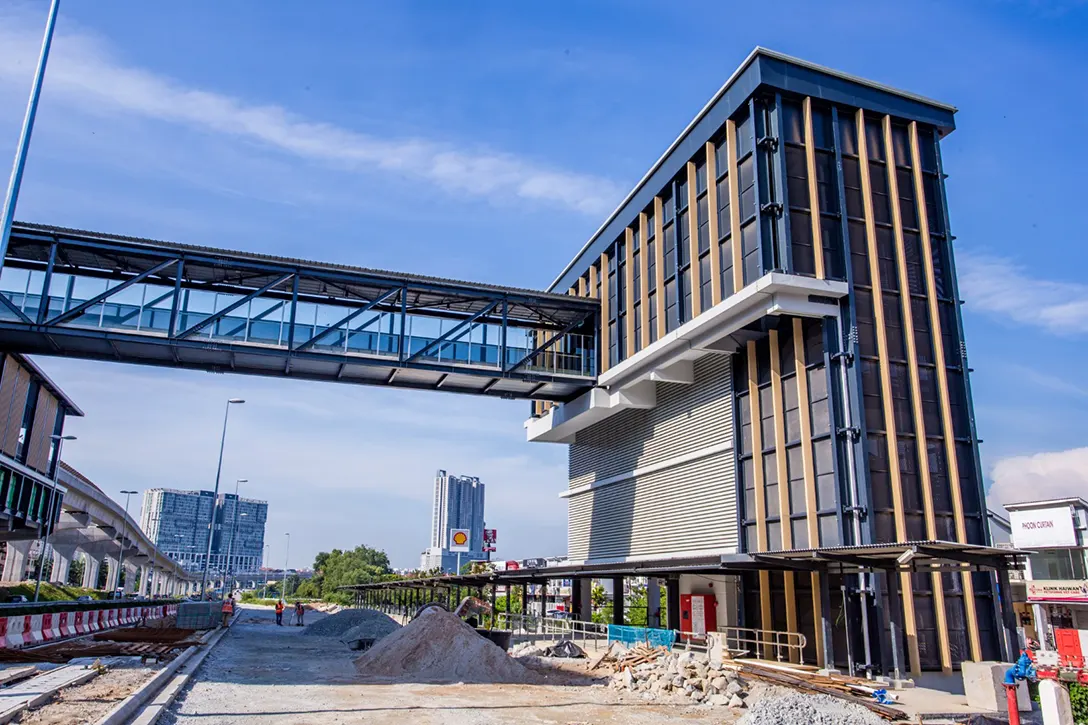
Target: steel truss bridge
83 294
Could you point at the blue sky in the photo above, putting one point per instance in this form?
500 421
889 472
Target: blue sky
487 141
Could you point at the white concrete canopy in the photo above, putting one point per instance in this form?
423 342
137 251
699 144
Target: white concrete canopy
719 330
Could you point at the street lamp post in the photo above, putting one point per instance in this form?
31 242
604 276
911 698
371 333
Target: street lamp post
264 590
215 496
286 558
7 215
124 533
233 526
49 526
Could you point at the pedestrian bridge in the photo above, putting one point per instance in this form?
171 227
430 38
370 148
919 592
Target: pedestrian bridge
83 294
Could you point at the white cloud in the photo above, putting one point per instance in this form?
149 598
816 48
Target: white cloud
1039 476
998 287
84 73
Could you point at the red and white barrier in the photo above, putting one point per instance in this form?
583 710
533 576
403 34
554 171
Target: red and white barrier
26 630
68 624
34 629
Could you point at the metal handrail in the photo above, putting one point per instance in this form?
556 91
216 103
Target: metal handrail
782 644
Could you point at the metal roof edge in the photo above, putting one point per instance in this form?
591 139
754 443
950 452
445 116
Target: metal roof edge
47 381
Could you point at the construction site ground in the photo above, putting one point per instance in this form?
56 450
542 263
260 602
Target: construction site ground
268 675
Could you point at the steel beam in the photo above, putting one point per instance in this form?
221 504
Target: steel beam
83 307
347 318
193 329
449 334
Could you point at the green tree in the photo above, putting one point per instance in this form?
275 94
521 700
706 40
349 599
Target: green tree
75 572
337 568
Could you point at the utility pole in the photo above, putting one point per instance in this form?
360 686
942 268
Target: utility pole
215 496
7 216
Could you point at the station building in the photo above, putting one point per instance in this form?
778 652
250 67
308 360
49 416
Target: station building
33 410
782 370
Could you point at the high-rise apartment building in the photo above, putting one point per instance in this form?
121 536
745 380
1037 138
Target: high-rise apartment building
458 504
178 523
782 369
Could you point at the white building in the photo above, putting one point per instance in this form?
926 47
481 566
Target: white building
458 504
1056 579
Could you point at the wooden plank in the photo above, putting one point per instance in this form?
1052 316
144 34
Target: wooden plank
734 205
952 464
606 312
921 450
813 191
712 219
659 264
807 455
777 405
765 611
628 297
880 330
693 243
817 617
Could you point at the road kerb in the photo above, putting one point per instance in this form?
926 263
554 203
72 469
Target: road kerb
132 708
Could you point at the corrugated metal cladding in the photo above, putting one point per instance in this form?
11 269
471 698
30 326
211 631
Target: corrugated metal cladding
691 507
687 507
686 419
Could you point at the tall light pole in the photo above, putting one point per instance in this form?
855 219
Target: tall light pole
124 533
286 557
264 591
215 497
233 526
8 213
49 525
230 567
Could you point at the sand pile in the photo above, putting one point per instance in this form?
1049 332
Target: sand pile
438 647
369 622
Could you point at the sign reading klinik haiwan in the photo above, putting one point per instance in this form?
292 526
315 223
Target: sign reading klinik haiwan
1041 528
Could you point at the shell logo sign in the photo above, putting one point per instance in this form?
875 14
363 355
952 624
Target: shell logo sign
459 539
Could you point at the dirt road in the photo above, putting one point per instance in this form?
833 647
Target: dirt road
261 674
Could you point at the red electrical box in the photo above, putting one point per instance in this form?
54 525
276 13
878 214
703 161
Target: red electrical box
698 615
1067 642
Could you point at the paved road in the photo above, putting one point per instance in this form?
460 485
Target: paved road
261 674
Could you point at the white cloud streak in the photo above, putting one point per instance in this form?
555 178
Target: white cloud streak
998 287
1039 476
84 73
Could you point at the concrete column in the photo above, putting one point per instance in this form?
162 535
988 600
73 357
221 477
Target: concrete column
15 560
653 602
672 601
130 578
113 574
145 583
91 567
617 600
62 562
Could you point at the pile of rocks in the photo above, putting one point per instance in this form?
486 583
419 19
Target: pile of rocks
683 674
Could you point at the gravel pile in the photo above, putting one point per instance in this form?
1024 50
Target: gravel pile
339 624
780 706
438 647
683 674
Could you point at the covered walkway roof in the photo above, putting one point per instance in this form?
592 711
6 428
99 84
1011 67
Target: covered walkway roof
903 556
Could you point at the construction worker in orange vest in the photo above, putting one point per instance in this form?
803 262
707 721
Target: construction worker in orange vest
279 612
228 609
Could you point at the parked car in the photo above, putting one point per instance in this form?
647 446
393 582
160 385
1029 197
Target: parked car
17 599
84 598
558 614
